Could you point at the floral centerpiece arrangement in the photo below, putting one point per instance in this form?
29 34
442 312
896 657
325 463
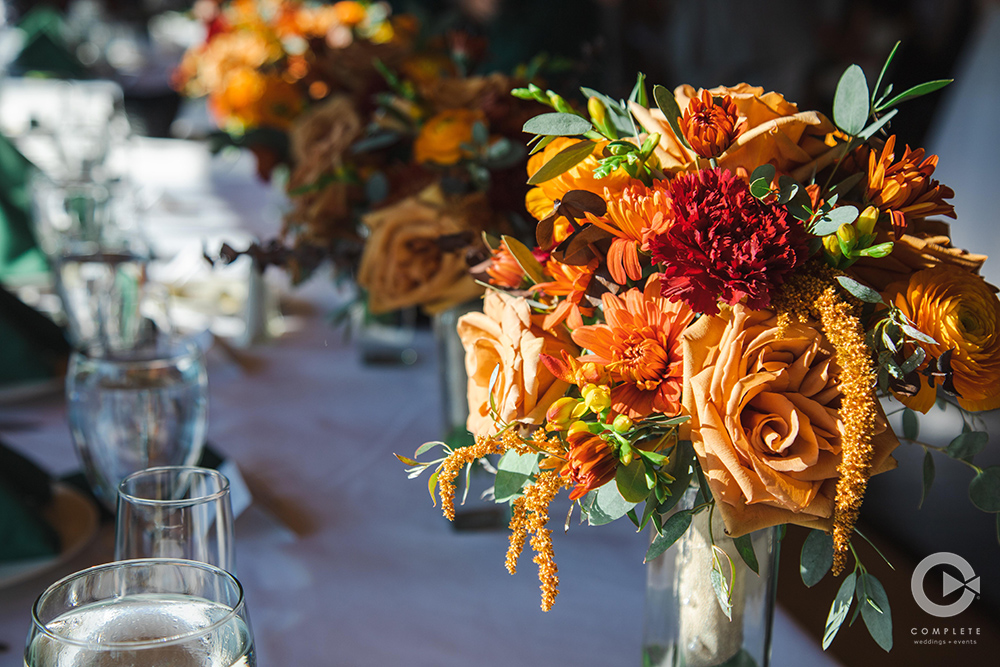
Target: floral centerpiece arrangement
399 157
721 289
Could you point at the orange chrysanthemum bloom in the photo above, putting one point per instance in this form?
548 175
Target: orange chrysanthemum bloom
590 463
961 312
640 347
250 98
711 124
569 282
906 188
503 270
638 213
540 200
442 136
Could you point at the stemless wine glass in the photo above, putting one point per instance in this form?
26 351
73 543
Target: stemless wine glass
142 613
176 512
136 409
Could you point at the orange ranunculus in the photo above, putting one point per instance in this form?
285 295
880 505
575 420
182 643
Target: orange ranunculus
640 347
764 419
960 311
507 340
540 200
441 137
906 189
776 132
636 214
403 262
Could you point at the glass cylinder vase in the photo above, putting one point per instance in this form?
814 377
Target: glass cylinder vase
685 624
453 377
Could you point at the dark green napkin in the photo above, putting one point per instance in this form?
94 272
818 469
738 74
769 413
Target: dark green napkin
19 252
25 489
45 49
32 347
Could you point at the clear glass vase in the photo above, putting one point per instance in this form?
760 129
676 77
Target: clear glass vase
685 625
454 379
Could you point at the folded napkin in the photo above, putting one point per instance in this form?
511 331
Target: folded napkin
32 347
45 49
19 253
25 490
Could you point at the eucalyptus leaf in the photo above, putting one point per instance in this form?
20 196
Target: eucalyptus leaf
542 143
672 530
914 360
513 472
666 103
916 91
558 124
870 131
788 189
563 161
917 334
859 291
850 102
839 609
760 188
967 445
816 558
845 185
928 477
765 171
984 491
876 613
527 261
722 592
911 424
605 505
431 485
631 480
744 545
831 221
427 446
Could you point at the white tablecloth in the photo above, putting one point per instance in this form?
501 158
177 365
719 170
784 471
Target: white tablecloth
343 559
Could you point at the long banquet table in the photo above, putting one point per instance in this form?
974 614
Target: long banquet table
344 560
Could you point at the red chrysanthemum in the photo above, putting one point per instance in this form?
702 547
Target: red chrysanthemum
725 244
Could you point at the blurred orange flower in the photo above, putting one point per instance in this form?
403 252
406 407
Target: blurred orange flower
441 137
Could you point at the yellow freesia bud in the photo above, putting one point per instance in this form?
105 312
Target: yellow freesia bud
577 427
560 413
846 234
866 221
832 245
597 397
622 423
595 108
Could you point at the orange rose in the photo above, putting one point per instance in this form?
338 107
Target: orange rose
540 200
506 336
773 130
764 419
961 312
404 263
441 137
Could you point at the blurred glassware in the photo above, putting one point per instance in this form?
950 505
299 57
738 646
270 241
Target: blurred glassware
142 613
176 512
136 409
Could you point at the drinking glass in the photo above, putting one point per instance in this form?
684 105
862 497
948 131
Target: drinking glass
136 409
142 613
176 512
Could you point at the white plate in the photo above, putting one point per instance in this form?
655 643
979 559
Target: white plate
74 517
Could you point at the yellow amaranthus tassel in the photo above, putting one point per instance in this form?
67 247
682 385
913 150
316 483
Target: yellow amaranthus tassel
530 516
458 459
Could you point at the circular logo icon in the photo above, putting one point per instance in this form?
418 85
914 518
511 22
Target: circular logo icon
969 584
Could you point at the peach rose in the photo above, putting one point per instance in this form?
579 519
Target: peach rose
960 311
507 336
764 419
404 262
775 131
